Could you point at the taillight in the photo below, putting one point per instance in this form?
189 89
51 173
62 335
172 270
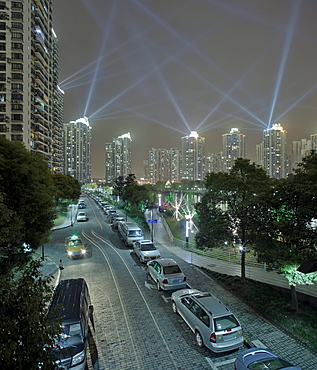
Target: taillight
213 338
165 281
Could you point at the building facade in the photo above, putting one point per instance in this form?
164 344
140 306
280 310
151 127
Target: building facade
77 149
233 147
28 76
300 149
193 157
118 161
275 158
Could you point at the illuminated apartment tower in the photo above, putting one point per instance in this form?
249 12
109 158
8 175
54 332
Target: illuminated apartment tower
313 140
57 113
275 158
193 157
300 149
77 149
118 158
233 147
27 74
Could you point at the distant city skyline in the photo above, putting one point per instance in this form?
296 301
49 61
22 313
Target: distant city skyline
161 69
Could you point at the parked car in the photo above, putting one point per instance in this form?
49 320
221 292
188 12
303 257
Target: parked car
81 216
111 211
106 207
213 324
166 273
72 309
116 221
130 232
261 358
146 250
111 217
75 248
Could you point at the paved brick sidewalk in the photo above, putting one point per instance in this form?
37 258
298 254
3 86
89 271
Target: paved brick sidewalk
256 328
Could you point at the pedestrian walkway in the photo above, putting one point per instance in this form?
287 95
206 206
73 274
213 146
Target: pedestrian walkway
52 265
258 331
255 273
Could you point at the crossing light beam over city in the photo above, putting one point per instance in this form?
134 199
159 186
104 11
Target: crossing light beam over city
151 67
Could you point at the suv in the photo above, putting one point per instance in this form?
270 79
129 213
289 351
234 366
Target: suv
71 306
213 324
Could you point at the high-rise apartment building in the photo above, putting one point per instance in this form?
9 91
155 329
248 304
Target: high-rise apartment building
164 165
193 157
275 158
214 163
300 149
118 157
77 149
313 141
28 74
175 165
57 112
233 147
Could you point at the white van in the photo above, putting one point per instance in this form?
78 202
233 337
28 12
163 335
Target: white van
130 232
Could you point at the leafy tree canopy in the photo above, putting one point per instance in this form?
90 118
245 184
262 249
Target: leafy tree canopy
26 194
228 208
26 335
66 187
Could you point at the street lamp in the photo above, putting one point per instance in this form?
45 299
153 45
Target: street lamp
243 252
187 229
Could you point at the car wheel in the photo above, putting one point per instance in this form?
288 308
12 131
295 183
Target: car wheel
174 308
158 286
199 339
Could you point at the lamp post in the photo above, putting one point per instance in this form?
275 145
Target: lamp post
187 229
243 252
159 202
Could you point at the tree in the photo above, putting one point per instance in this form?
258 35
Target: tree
66 187
286 235
118 187
26 194
26 334
229 209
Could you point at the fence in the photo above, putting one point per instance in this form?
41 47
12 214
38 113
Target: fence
230 263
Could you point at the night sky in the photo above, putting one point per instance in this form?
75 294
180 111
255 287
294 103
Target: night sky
162 68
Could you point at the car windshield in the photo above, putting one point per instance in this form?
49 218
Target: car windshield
148 247
173 269
81 214
135 233
270 364
226 322
70 335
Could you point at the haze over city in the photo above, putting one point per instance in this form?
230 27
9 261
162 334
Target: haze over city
160 69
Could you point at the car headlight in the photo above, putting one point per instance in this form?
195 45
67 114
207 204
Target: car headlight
78 358
83 251
70 253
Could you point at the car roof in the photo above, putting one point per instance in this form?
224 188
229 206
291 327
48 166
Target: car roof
67 299
211 303
144 241
166 261
73 237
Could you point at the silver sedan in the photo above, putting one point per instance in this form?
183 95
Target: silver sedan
166 273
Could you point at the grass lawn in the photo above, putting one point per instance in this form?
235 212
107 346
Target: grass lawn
274 305
60 219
